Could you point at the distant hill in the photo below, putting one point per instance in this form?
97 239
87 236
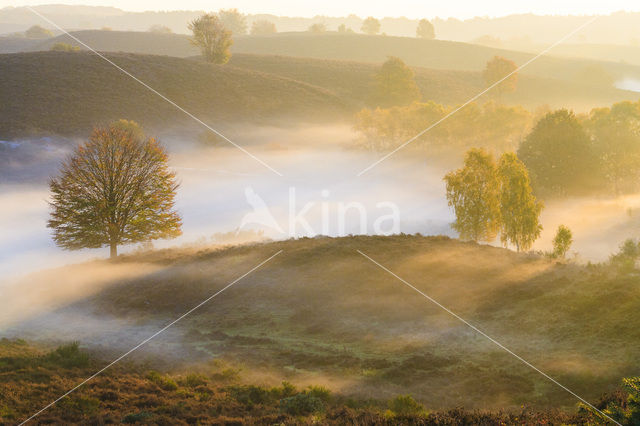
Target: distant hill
68 92
435 54
353 82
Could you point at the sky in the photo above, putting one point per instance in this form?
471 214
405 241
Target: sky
461 9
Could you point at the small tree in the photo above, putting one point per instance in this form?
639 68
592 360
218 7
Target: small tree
425 30
116 188
370 26
474 193
233 21
342 28
37 31
263 27
497 69
317 28
562 242
520 211
213 39
395 84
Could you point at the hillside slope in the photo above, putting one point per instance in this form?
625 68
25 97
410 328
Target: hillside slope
322 310
68 92
436 54
354 81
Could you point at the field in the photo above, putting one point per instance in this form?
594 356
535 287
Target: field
322 314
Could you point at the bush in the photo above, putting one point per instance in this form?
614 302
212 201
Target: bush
404 405
626 258
136 417
301 404
194 380
165 382
319 392
64 47
80 405
68 356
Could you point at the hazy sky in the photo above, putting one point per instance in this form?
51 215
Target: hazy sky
409 8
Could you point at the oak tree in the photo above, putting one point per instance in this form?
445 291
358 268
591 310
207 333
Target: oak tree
115 188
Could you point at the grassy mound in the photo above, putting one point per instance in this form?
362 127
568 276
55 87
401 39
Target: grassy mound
321 310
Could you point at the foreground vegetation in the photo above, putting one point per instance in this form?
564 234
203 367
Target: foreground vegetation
31 377
321 314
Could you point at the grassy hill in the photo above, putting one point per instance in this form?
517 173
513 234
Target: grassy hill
435 54
353 82
68 92
322 312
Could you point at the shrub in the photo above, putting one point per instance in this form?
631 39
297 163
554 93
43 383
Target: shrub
136 417
68 356
319 392
80 405
194 380
165 382
64 47
404 405
301 404
625 259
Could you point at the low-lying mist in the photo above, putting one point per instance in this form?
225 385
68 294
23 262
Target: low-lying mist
319 166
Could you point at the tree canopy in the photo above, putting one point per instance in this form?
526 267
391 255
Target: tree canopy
395 84
370 26
519 209
317 28
114 189
37 31
559 155
263 27
497 69
233 21
474 193
213 39
425 30
562 241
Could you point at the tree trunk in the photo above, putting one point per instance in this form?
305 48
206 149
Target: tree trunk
113 250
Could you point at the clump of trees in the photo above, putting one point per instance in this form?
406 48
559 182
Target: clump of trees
342 28
425 30
395 84
160 29
491 125
370 26
317 28
116 188
37 31
212 37
263 27
560 155
490 198
497 69
233 21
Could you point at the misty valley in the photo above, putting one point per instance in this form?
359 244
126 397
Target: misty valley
233 218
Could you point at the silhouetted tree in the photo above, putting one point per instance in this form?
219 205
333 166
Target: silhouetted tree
317 28
616 135
370 26
559 155
497 69
233 21
160 29
116 188
425 30
395 84
263 27
520 211
562 241
474 193
212 37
